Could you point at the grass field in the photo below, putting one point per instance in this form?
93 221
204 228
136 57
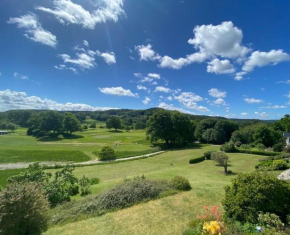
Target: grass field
18 147
168 215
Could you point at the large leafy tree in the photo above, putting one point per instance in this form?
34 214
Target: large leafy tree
71 123
202 126
114 122
266 136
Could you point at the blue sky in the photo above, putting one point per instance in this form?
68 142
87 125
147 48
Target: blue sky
228 58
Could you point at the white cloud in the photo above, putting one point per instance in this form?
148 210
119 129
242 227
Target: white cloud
138 75
146 100
86 43
109 57
82 60
171 107
285 82
119 91
154 83
147 53
170 98
140 87
244 114
64 67
239 76
189 99
68 12
219 101
274 107
220 67
19 100
223 40
253 101
34 30
162 89
17 75
260 59
263 114
154 75
214 92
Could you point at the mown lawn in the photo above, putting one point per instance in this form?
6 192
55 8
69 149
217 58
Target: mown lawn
18 147
168 215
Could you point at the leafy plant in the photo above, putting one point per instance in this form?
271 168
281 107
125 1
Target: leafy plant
23 209
107 153
270 221
180 183
228 147
85 186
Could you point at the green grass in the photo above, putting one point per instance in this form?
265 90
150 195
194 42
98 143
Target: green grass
168 215
4 175
12 156
18 147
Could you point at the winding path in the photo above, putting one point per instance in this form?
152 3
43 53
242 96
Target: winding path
20 165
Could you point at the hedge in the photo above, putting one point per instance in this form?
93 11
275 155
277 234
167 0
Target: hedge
257 152
196 160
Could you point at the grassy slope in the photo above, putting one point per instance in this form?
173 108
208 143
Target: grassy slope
18 147
169 215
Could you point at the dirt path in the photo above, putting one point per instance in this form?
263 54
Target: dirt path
285 175
20 165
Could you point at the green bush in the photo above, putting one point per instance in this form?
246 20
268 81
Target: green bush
254 193
120 196
207 154
196 160
278 147
257 152
23 209
107 153
279 165
180 183
228 147
272 165
94 181
245 146
261 146
270 221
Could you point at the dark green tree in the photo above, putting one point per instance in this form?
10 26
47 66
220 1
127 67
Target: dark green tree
114 122
71 123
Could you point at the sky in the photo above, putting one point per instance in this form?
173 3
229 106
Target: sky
226 58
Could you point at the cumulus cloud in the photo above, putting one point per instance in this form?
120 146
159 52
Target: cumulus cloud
140 87
244 114
119 91
162 89
109 57
262 114
220 67
68 12
20 76
253 101
260 59
147 53
274 107
86 43
82 60
214 92
223 40
189 99
219 101
34 30
154 75
285 82
171 107
146 100
20 100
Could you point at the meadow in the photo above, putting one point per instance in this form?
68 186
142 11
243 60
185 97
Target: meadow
82 146
169 215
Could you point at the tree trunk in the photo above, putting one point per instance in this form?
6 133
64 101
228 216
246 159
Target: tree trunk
226 169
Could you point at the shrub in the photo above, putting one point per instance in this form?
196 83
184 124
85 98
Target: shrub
85 186
94 181
279 165
238 143
207 154
278 147
256 152
107 153
93 125
228 147
245 146
272 165
270 221
196 160
261 146
180 183
23 209
253 193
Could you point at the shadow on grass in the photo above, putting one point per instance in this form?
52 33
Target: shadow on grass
163 146
116 131
57 138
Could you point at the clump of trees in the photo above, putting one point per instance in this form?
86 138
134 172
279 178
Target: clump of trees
170 126
8 126
52 123
114 122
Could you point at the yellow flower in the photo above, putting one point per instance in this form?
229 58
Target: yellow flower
212 228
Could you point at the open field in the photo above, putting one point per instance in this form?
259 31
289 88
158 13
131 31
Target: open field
18 147
168 215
